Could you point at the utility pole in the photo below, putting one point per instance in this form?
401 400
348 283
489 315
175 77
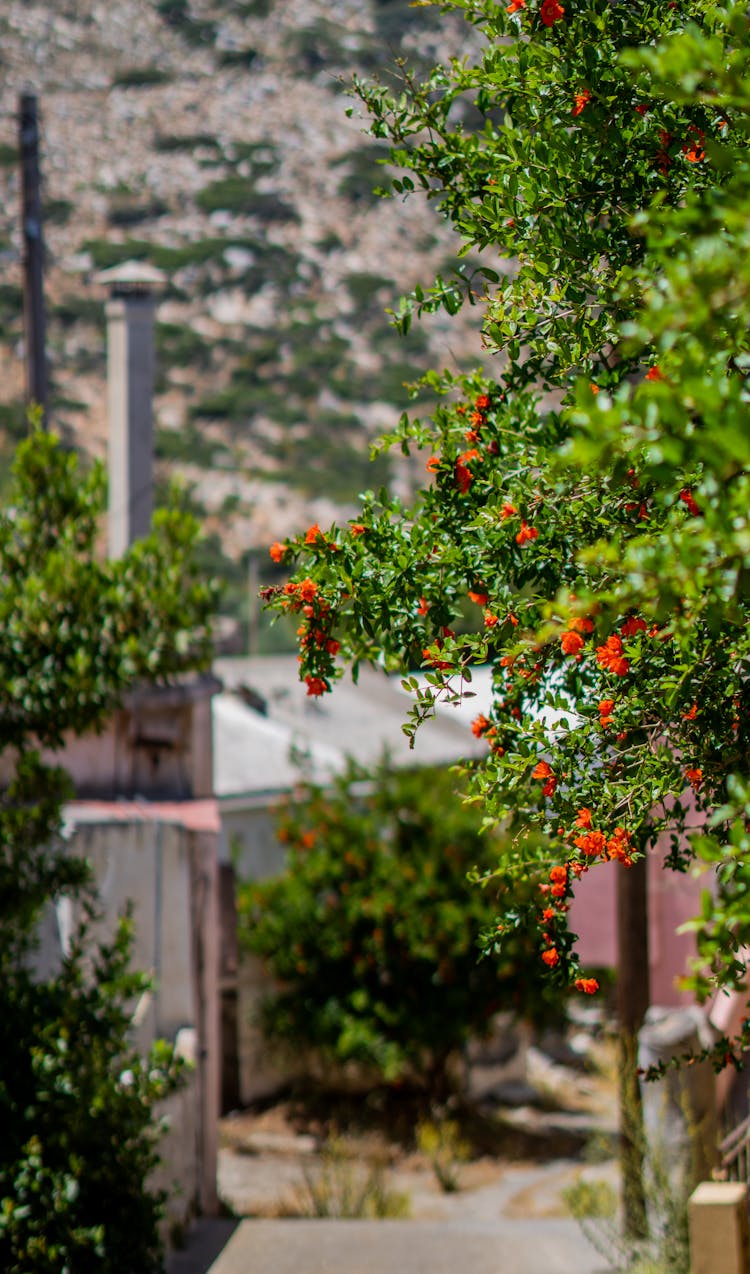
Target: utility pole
33 253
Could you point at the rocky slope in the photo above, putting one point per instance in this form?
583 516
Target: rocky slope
212 139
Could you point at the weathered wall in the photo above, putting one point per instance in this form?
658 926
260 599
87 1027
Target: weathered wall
168 873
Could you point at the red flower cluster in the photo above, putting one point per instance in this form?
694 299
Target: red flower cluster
572 644
316 685
686 496
526 533
580 101
694 777
356 528
544 771
276 551
596 844
507 510
551 957
655 373
606 708
480 725
632 626
589 986
463 475
314 534
694 149
610 656
551 12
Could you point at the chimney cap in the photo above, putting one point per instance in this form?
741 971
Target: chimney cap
132 278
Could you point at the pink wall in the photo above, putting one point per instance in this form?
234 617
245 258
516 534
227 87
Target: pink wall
673 899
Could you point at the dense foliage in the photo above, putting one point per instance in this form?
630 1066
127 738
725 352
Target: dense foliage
76 1104
371 932
591 497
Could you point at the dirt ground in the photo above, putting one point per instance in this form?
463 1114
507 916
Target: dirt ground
510 1146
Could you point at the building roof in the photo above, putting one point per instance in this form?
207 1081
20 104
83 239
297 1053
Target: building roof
253 745
195 815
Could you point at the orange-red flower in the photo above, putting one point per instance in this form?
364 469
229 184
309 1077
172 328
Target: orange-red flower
571 644
356 528
490 620
687 498
423 606
695 150
507 510
694 777
316 685
619 847
654 373
551 957
589 986
558 875
526 533
433 464
583 818
551 12
606 708
610 657
480 599
691 714
591 843
632 626
276 551
581 624
515 5
544 771
480 725
307 590
580 100
482 402
314 533
332 646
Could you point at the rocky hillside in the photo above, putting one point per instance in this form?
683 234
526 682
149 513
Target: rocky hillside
210 137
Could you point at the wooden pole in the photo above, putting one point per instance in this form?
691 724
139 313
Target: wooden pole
33 253
633 997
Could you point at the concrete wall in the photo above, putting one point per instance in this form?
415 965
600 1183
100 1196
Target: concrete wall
169 875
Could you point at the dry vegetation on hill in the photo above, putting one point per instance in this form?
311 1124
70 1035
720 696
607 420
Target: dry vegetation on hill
211 139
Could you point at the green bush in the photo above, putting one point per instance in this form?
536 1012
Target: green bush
76 1111
239 194
168 143
371 932
140 77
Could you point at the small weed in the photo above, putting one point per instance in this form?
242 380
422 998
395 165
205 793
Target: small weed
346 1189
590 1199
441 1143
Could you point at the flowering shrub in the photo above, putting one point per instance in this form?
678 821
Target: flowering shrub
601 508
372 930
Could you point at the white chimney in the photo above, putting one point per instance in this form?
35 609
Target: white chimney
130 387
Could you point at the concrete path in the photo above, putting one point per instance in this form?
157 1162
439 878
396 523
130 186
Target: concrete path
551 1246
